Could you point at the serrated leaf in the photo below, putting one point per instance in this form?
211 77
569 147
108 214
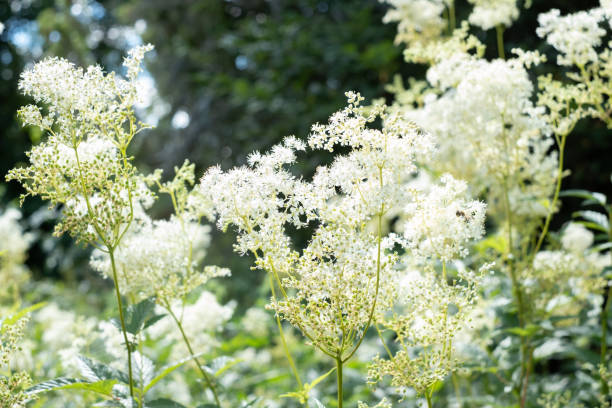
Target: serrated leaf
316 403
220 365
594 217
152 320
164 403
137 314
589 196
95 371
144 369
11 320
167 370
104 387
54 384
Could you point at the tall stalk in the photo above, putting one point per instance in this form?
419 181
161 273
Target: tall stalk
500 41
339 364
605 390
206 377
284 342
111 254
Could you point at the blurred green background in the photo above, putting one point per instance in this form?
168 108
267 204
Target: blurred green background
231 76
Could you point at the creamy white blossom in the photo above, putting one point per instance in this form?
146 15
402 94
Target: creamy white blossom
576 36
14 244
443 222
417 20
488 14
576 238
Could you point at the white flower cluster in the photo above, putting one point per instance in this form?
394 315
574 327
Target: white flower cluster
418 20
488 14
442 222
14 245
83 164
428 316
563 280
347 273
576 36
160 258
488 130
12 387
576 238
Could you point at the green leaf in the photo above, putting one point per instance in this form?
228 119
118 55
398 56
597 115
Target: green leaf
317 404
163 403
602 247
55 384
138 314
527 331
167 370
11 320
221 364
104 387
594 217
318 379
606 273
589 196
96 371
497 243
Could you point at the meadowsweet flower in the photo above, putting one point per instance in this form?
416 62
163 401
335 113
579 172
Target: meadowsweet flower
161 258
561 282
83 165
576 238
347 273
576 36
485 138
427 317
488 14
13 251
12 387
443 222
418 20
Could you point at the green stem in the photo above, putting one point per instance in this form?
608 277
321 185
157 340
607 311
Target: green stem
428 398
604 338
515 285
198 364
500 41
555 195
339 364
283 341
451 16
378 266
111 254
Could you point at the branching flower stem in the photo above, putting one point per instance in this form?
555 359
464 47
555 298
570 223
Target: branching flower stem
110 247
283 341
604 318
339 364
